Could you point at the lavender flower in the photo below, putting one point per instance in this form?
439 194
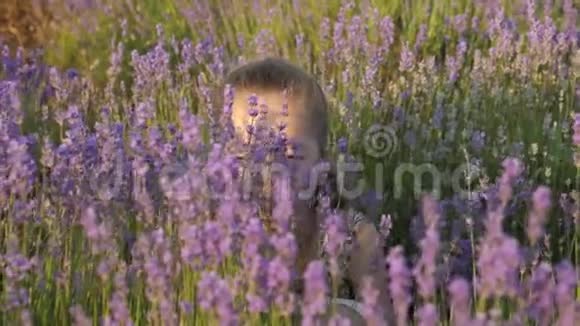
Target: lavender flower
498 264
264 42
214 295
192 252
424 271
152 250
407 60
20 168
512 169
314 304
226 117
387 32
372 312
540 302
427 315
79 316
538 215
279 282
16 269
460 301
151 70
97 232
478 140
356 35
255 265
571 15
120 313
335 237
567 306
400 283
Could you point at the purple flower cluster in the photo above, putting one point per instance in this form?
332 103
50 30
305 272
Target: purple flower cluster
214 295
315 295
499 256
425 269
400 283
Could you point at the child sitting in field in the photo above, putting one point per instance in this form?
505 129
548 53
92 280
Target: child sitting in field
304 119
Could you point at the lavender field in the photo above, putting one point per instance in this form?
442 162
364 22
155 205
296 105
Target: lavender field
119 172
